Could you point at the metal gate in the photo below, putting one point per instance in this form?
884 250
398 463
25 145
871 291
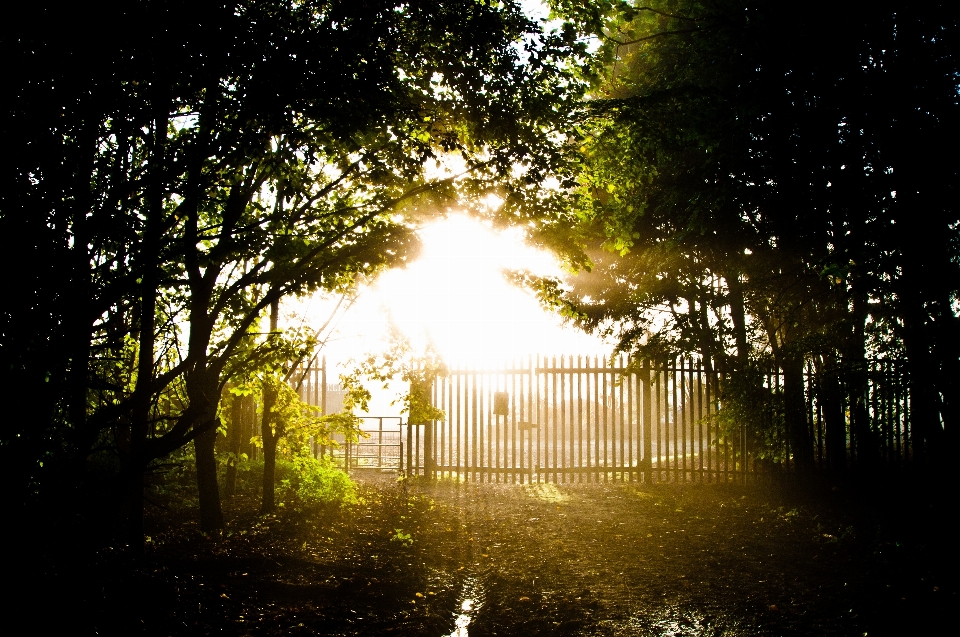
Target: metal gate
379 445
576 419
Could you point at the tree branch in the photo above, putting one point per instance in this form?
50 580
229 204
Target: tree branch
650 37
665 14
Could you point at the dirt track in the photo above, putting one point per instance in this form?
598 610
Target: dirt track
607 559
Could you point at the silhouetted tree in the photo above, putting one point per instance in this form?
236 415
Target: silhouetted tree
743 174
181 172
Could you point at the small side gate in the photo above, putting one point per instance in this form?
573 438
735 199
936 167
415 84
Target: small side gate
380 445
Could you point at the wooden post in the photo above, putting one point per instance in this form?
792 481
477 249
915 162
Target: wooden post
647 423
323 397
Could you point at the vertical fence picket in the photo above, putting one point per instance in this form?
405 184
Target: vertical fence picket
686 422
455 397
509 429
551 451
619 389
563 420
579 419
532 417
586 433
533 436
486 427
696 409
629 378
620 406
646 420
709 380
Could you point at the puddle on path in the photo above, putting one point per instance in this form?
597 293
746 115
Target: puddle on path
677 622
471 599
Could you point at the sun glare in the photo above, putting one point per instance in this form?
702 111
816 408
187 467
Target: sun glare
455 297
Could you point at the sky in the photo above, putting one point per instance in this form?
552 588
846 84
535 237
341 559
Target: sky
456 297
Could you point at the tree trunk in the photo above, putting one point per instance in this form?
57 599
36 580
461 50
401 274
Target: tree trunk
211 513
916 214
795 412
143 393
233 445
948 345
269 431
831 389
248 430
738 318
865 443
78 338
203 389
922 382
268 502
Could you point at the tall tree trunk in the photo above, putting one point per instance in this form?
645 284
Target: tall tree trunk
923 399
249 420
709 348
916 209
268 501
738 317
831 390
211 513
270 431
795 411
856 377
140 417
948 346
83 435
234 426
149 277
203 390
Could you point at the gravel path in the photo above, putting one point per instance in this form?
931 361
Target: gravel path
442 558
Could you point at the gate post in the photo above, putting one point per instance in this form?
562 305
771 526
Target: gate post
647 461
429 470
410 468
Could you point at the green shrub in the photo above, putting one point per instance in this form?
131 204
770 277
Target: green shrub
750 406
312 482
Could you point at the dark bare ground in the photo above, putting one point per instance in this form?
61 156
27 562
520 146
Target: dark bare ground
543 559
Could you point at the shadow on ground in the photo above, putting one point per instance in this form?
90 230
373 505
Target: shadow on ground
446 558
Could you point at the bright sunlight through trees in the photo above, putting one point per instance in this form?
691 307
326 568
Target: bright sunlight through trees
456 298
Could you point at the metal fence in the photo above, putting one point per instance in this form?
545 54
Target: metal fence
576 419
586 419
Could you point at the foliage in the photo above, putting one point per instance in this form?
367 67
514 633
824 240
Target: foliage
418 371
750 406
402 538
741 194
173 181
315 482
294 422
